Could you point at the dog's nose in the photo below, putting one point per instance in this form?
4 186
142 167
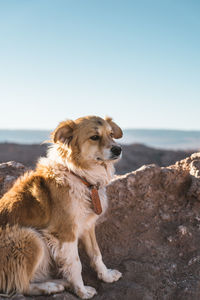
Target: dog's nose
116 150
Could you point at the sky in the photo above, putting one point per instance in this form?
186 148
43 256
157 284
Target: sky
136 61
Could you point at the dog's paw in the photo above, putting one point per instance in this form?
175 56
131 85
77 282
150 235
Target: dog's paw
86 293
45 288
54 287
110 275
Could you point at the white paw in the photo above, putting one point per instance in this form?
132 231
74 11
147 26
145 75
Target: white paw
86 293
51 287
47 288
110 275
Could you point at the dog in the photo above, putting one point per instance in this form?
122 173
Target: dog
49 209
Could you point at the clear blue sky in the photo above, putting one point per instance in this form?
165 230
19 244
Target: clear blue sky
137 61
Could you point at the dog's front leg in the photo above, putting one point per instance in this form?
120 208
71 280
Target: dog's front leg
71 268
93 251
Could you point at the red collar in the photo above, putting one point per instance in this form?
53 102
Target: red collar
96 202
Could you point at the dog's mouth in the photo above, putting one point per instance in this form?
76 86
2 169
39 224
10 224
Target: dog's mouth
114 153
112 158
115 157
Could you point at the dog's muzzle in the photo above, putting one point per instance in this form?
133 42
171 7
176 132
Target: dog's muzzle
116 151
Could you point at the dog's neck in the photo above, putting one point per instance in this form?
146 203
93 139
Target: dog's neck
97 174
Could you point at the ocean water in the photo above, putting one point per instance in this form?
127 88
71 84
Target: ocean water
167 139
158 138
24 136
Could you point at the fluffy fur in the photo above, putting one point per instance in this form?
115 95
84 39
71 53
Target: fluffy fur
48 210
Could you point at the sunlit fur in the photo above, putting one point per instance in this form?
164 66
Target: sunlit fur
48 210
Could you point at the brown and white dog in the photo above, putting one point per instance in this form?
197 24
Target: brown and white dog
48 210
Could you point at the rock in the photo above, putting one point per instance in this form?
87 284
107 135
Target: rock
9 172
151 234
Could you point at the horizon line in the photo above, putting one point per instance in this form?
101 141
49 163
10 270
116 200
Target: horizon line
127 129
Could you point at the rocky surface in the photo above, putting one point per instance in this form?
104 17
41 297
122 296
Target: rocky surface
134 156
9 171
151 234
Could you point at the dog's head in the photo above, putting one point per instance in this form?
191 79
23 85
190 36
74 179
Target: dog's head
88 140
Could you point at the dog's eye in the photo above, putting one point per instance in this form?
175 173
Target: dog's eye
112 135
95 137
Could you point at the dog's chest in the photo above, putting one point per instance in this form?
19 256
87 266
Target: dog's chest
80 196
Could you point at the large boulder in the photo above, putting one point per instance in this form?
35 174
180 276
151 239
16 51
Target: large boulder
151 234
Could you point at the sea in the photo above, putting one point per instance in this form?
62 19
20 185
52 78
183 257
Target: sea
157 138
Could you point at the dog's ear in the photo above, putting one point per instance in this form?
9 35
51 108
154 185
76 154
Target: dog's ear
64 132
116 129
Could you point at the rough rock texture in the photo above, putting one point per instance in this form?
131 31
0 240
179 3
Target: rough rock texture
9 171
134 156
151 234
